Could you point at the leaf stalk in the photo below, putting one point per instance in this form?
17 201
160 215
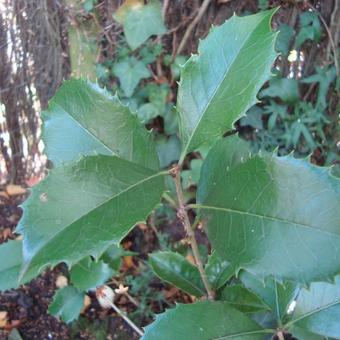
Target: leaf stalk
183 216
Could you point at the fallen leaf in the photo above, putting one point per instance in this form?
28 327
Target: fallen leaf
86 304
3 319
61 281
13 190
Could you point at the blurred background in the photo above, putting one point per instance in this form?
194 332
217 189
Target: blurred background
43 42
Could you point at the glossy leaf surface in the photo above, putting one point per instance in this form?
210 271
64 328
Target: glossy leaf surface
318 309
84 119
220 84
277 296
175 269
88 274
218 271
271 215
242 299
10 265
67 303
203 321
82 208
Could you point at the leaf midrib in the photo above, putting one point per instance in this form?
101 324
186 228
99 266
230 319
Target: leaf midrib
215 91
162 173
271 218
86 129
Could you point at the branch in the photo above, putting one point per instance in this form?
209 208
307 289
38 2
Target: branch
192 25
183 216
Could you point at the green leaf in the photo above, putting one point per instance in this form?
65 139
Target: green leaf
140 21
112 256
10 265
242 299
67 304
271 215
220 84
318 309
284 38
191 177
277 296
203 321
88 274
310 28
218 271
175 269
84 119
302 334
82 208
130 72
168 150
285 89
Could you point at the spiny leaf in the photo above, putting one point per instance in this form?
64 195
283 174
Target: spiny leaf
88 274
10 265
82 208
271 215
203 321
278 296
318 309
220 84
67 304
242 299
175 269
218 271
84 119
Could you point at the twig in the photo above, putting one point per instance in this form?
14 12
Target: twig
280 335
192 25
132 299
164 8
183 216
125 317
330 37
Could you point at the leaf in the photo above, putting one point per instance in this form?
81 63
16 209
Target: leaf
130 72
310 28
84 119
286 89
175 269
10 265
203 321
278 296
82 208
220 83
284 38
218 271
302 334
271 215
112 256
191 177
318 309
168 150
242 299
88 274
140 21
67 304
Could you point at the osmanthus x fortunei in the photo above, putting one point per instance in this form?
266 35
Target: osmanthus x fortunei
273 222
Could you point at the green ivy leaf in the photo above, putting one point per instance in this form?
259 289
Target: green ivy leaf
10 265
203 321
140 21
175 269
285 89
220 84
67 304
278 296
130 71
242 299
318 309
218 271
271 215
88 274
84 119
286 33
112 256
310 28
82 208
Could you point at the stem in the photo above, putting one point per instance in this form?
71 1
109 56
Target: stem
280 335
183 215
126 319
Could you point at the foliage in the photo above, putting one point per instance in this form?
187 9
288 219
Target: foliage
273 222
